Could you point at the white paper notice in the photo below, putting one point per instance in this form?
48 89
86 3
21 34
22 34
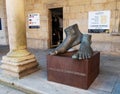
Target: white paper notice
99 20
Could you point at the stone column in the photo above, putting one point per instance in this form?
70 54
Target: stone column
19 61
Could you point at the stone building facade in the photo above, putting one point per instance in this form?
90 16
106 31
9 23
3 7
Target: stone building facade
74 11
3 31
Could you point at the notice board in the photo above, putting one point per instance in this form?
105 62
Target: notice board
99 20
33 20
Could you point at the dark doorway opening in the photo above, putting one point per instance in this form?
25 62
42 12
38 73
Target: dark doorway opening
0 24
57 26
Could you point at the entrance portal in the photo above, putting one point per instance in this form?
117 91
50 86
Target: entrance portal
56 26
0 24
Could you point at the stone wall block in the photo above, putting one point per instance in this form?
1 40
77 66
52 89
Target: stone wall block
98 1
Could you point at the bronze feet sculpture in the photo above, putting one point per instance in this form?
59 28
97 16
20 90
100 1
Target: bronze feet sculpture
75 37
85 51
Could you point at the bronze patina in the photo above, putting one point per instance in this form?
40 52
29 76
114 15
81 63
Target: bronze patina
85 51
73 38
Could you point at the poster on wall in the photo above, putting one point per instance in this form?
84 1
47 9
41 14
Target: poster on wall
33 20
0 24
98 21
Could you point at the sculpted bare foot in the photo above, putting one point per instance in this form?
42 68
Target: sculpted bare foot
73 37
85 51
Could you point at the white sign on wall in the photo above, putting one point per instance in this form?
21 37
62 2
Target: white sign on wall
34 20
99 20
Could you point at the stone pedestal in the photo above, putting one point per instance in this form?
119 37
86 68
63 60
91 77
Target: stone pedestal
19 61
20 66
78 73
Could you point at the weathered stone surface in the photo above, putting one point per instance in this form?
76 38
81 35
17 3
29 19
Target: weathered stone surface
19 61
74 11
3 32
18 68
21 74
16 60
7 90
21 68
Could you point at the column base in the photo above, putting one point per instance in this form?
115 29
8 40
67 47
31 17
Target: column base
19 66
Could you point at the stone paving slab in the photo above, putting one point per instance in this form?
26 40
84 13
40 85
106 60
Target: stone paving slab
116 89
105 82
39 84
8 90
